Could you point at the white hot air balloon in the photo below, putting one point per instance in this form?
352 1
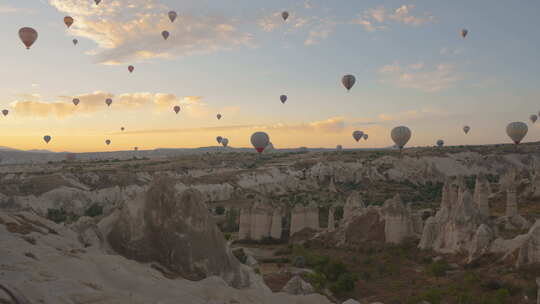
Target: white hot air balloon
219 139
108 101
165 35
517 131
285 15
401 135
440 143
260 140
5 112
172 15
283 98
366 137
533 118
348 81
47 138
357 135
28 36
464 33
75 101
466 129
225 142
176 109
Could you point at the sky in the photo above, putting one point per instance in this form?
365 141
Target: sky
236 57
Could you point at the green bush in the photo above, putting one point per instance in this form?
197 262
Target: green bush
227 236
438 269
94 210
220 210
57 215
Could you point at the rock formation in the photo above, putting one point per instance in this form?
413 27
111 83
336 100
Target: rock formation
529 251
398 222
259 221
331 219
481 194
297 286
176 231
353 205
304 217
332 186
275 230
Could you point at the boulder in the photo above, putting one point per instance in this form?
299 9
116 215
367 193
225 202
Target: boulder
297 286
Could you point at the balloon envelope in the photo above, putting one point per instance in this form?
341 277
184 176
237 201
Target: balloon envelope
165 34
108 142
68 21
260 140
517 131
348 81
533 118
108 101
466 129
366 136
122 128
225 142
5 112
339 147
283 98
136 148
464 33
285 15
176 109
131 68
357 135
75 41
440 142
401 135
75 101
172 15
47 138
97 1
218 116
28 36
219 139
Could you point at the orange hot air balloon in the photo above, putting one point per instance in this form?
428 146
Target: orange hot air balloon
131 68
68 21
28 36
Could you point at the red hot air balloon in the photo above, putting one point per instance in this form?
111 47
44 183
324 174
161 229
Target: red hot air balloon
28 36
260 140
68 21
131 68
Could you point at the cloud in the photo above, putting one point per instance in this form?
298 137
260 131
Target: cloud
375 19
130 30
8 9
320 31
417 76
331 125
34 106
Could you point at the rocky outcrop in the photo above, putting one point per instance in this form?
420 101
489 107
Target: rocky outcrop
177 231
304 217
331 219
259 221
354 205
398 221
481 194
529 251
297 286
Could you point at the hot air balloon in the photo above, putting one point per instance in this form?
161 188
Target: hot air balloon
357 135
75 101
108 142
97 1
47 138
466 129
225 142
218 116
5 112
517 131
401 135
285 15
172 15
68 21
165 34
28 36
176 109
366 136
440 143
260 140
131 68
108 101
122 129
283 98
219 139
75 41
464 33
348 81
533 118
339 147
136 148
